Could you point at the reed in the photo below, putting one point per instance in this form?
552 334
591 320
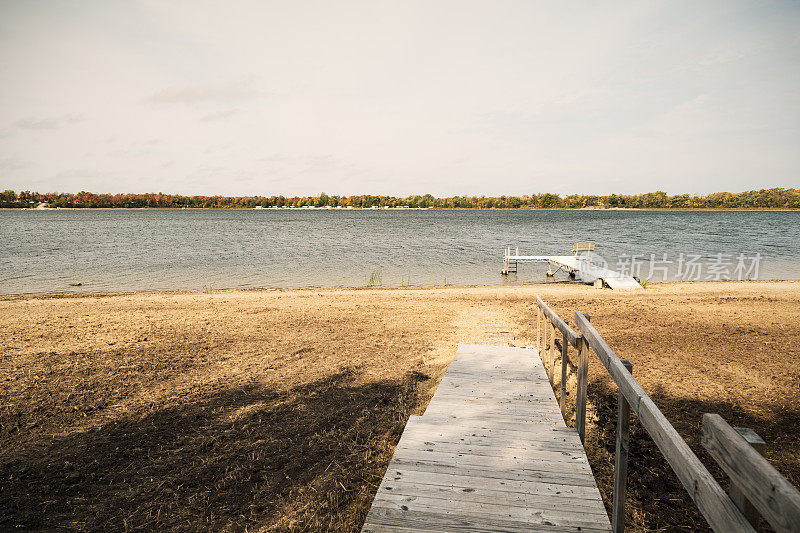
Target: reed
375 279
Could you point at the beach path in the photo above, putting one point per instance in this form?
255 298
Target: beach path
490 453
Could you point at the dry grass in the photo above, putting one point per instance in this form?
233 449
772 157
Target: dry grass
279 410
731 349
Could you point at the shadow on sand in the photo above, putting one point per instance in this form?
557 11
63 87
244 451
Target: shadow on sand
245 457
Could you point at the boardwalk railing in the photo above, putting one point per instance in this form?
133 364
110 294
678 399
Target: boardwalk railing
548 321
755 484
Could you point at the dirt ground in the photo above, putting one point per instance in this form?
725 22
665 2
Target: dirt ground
279 410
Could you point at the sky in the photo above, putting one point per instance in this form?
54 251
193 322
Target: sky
399 98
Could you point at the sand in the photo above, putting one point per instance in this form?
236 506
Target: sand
279 410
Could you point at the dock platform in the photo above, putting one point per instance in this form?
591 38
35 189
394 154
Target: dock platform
576 265
491 453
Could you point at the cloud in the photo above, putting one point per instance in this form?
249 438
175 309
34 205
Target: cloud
9 164
48 123
193 94
219 115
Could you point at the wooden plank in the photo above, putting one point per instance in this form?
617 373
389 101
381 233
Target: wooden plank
561 486
501 420
480 493
432 426
461 481
714 504
532 432
382 520
530 459
559 450
774 497
488 425
517 474
498 509
538 442
513 391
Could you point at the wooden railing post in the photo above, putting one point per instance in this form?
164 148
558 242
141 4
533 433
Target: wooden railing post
735 492
539 330
580 394
563 400
543 353
550 358
621 458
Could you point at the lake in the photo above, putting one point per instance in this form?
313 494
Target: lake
128 250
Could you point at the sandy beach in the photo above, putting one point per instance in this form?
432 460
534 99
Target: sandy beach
279 409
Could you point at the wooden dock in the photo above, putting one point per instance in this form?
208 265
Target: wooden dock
491 453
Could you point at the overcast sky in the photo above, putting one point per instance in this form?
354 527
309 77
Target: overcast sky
405 97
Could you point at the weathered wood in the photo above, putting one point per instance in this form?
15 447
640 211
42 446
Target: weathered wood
408 521
558 479
538 451
460 481
736 493
562 401
775 498
479 493
580 394
538 331
494 509
713 502
489 454
551 358
621 458
543 354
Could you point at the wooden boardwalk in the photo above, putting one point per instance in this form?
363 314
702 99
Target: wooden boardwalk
491 453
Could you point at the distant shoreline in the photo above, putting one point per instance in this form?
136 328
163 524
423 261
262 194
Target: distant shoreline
773 198
692 209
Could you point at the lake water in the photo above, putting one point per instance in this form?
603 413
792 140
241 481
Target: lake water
126 250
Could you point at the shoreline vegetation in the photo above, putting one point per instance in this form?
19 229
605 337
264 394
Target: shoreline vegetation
763 199
279 410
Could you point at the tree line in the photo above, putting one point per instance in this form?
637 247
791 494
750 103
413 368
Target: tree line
776 198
